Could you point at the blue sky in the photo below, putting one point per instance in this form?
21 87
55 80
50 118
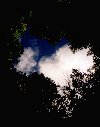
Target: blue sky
45 48
55 63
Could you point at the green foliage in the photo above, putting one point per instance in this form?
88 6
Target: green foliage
14 47
19 31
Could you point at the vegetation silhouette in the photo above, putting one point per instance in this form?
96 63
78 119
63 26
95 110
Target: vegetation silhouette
79 30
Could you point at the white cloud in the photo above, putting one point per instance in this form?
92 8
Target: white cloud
59 66
27 61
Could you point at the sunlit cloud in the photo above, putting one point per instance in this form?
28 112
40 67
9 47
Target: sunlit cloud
27 61
59 66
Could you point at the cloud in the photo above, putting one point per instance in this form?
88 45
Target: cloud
27 61
59 66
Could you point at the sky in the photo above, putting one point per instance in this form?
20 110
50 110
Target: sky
55 62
